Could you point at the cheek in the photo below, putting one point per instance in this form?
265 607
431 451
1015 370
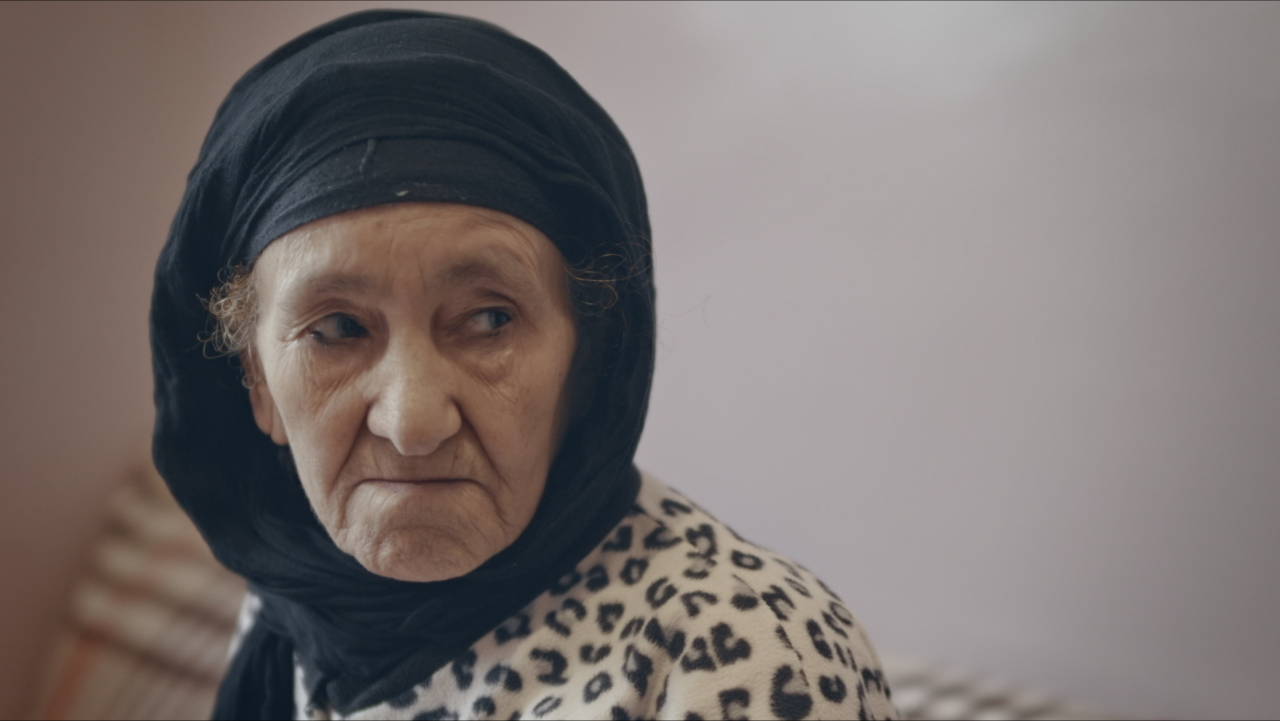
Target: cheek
525 403
322 413
320 389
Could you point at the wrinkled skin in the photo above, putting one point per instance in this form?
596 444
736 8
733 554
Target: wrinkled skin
414 357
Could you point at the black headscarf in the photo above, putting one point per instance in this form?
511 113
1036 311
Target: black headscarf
373 108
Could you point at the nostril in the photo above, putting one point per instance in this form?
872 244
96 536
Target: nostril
417 424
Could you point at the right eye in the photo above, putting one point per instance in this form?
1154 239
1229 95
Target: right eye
336 328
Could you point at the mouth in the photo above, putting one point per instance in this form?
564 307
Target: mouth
418 481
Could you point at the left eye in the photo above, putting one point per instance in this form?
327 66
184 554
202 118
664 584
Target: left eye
489 320
336 328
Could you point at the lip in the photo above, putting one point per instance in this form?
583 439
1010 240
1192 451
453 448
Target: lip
418 481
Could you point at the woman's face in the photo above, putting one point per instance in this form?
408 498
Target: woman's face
414 358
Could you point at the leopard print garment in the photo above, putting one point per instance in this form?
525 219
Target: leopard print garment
673 616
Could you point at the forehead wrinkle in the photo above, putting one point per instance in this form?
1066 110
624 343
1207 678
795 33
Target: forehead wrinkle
339 283
315 264
491 260
477 253
309 265
515 261
497 265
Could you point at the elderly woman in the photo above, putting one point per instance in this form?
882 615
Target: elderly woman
426 253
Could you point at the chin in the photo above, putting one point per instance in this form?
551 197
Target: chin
419 555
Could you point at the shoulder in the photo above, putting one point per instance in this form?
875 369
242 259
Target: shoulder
764 637
673 615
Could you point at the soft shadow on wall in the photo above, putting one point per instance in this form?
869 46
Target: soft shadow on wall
969 308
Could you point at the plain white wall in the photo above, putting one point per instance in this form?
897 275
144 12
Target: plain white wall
969 308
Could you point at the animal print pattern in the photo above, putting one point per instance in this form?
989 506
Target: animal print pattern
673 616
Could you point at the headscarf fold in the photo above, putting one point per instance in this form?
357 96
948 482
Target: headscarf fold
374 108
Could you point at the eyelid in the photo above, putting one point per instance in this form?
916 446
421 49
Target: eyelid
477 314
302 315
313 331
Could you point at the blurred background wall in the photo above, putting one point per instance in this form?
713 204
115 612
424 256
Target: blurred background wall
973 309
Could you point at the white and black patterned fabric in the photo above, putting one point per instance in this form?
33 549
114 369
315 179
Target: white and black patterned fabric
673 616
155 646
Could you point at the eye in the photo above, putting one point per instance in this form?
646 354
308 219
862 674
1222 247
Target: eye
488 321
337 328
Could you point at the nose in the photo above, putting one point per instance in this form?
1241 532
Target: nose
413 403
